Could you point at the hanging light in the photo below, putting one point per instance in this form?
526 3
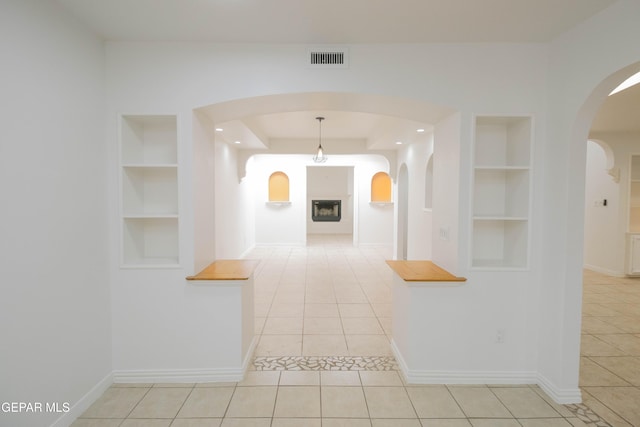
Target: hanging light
320 157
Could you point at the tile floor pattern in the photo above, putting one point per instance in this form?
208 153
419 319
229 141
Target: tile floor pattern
330 300
610 363
325 299
325 399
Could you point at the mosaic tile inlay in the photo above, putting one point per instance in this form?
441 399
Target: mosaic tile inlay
329 363
587 416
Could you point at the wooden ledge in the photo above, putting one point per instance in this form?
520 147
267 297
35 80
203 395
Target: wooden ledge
422 271
228 269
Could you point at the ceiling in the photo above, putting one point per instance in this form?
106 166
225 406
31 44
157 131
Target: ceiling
334 21
619 112
346 131
347 22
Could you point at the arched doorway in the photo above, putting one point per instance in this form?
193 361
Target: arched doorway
607 294
243 118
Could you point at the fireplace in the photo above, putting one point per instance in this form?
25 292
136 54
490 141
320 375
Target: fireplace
326 210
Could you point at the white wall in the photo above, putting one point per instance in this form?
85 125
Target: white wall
578 83
508 79
416 156
52 158
234 215
55 303
280 224
287 224
604 226
446 218
203 195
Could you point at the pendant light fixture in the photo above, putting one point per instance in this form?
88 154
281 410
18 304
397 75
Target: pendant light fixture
320 157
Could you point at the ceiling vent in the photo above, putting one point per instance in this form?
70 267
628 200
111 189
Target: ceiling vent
328 57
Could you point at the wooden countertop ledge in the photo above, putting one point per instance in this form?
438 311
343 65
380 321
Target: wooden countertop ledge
227 269
422 271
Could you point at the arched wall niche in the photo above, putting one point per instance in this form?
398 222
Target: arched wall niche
278 187
381 187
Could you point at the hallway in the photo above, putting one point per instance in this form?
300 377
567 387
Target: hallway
328 299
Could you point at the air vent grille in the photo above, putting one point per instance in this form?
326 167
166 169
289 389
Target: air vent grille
328 58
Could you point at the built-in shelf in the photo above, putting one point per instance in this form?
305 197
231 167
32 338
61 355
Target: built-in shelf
149 191
501 193
278 204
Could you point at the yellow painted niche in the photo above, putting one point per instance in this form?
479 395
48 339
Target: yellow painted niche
381 187
278 187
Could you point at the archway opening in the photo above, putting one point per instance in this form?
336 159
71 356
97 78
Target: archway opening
605 148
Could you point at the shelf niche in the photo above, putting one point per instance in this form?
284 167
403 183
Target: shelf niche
149 190
501 192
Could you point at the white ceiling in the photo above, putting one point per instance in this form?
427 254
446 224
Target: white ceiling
334 21
350 130
619 112
348 22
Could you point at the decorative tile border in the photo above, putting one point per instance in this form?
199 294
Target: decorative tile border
587 416
329 363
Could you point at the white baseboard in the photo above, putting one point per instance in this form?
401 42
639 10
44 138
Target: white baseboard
84 402
156 376
562 396
247 252
249 355
415 376
179 375
402 364
606 271
278 245
188 375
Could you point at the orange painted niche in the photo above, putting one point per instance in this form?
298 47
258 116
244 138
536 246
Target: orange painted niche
278 187
381 187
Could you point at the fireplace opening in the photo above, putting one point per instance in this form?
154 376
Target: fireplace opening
326 210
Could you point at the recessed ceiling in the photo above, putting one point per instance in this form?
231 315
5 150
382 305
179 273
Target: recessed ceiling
333 21
374 131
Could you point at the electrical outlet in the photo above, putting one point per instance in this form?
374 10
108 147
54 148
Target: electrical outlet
500 336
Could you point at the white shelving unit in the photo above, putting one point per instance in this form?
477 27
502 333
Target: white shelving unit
149 190
501 192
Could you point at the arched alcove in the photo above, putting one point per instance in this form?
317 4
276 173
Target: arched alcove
381 188
428 184
278 187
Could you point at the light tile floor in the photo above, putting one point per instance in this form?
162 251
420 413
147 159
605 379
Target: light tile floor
326 299
610 364
331 299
